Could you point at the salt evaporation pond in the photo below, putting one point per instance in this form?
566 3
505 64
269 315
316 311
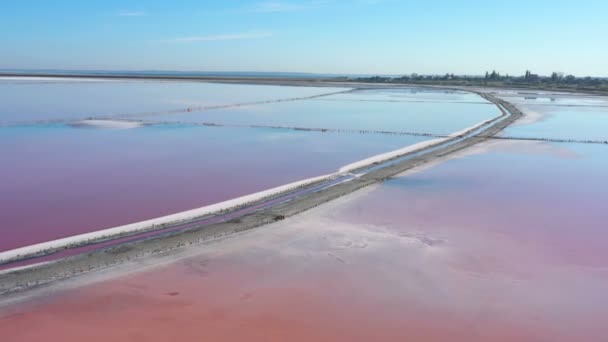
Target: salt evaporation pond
561 116
413 94
554 99
27 100
74 177
58 180
435 117
506 245
565 123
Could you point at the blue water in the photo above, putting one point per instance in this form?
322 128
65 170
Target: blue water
559 100
420 117
41 100
415 94
565 123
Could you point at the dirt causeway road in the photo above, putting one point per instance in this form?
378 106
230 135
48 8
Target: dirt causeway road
40 275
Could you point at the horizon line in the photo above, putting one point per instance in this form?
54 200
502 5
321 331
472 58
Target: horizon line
72 71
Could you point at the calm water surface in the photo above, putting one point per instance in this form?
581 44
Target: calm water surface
507 245
58 180
440 117
565 123
568 117
36 100
411 94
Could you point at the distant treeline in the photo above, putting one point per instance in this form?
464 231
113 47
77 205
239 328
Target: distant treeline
493 78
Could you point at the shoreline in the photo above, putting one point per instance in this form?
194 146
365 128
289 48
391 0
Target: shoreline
289 81
18 280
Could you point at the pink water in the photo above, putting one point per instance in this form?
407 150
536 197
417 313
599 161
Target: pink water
58 181
508 245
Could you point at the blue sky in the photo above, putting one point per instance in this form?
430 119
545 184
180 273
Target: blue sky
322 36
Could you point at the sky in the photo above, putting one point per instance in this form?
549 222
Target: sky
317 36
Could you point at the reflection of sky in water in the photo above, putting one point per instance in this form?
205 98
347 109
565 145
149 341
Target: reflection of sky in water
553 195
25 101
430 117
59 180
565 123
502 246
507 245
409 94
558 100
79 180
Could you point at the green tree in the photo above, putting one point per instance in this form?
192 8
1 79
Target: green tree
570 79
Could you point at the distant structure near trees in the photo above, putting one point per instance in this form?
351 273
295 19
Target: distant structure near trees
556 80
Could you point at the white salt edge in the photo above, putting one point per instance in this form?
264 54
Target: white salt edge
108 124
